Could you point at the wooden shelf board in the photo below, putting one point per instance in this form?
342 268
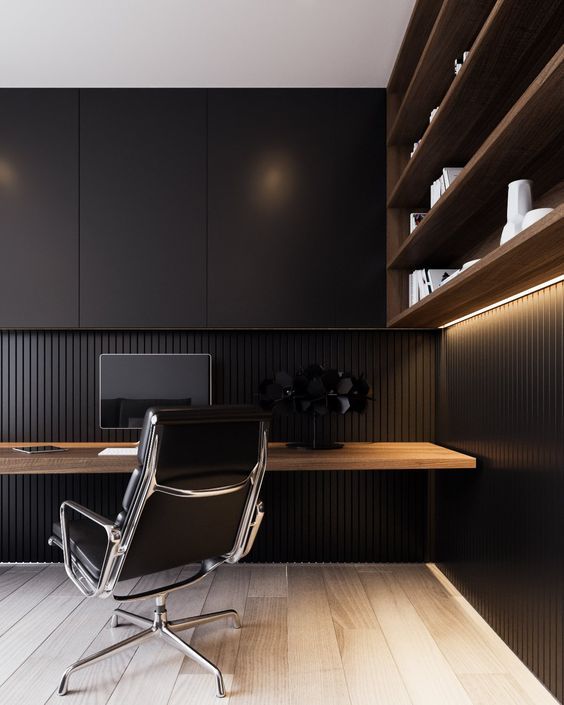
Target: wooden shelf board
455 29
514 35
418 29
532 257
526 144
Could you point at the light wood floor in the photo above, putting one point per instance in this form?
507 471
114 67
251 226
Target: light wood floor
342 635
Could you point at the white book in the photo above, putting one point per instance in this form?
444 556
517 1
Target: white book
424 289
443 184
412 296
449 174
420 287
435 191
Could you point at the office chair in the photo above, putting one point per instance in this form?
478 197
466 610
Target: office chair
193 498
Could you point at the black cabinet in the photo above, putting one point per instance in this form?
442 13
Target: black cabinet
296 181
142 207
38 208
360 208
178 208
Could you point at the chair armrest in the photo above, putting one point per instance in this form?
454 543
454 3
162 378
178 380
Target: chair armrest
253 528
88 513
79 578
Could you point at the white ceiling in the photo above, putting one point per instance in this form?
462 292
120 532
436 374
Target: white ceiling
200 42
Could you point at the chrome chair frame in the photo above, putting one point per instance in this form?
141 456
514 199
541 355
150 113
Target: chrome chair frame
119 541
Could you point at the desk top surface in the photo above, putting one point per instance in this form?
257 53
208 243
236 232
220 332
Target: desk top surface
84 458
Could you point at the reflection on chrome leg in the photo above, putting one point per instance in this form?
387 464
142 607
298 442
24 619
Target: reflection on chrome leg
179 624
197 657
134 640
130 618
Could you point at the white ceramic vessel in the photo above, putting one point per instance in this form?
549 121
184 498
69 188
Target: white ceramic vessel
534 215
519 201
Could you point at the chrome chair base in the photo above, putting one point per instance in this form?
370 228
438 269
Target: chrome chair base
159 626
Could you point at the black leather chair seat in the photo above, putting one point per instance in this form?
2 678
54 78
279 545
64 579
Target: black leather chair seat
88 542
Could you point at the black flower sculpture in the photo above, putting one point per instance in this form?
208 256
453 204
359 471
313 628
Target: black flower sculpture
316 391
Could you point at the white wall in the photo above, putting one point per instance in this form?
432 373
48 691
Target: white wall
200 42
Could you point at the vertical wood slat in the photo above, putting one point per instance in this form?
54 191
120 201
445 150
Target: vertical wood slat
49 392
500 532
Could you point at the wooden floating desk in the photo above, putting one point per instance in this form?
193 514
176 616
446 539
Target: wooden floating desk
84 458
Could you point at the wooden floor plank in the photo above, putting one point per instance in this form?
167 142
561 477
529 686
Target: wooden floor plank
218 641
427 675
370 668
350 607
261 676
499 688
312 642
268 581
36 680
199 689
18 603
455 634
19 643
315 668
17 576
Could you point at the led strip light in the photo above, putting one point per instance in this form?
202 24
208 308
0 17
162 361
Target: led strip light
538 287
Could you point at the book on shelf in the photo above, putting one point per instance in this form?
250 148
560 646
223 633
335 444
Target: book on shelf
436 191
449 175
415 145
459 61
423 282
415 219
440 185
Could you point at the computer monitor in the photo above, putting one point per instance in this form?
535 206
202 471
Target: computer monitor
131 383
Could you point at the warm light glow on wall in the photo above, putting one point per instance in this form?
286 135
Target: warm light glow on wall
538 287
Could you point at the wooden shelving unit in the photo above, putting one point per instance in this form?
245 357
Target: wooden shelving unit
501 118
534 256
456 26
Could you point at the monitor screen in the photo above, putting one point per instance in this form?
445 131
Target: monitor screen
130 384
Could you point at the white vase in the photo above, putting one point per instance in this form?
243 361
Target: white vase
519 201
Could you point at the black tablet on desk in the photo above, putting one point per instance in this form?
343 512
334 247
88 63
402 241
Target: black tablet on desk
39 449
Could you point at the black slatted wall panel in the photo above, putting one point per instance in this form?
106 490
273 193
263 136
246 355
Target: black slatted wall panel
500 530
49 392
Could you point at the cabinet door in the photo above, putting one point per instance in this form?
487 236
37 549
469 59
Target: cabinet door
296 202
270 227
360 202
38 208
142 207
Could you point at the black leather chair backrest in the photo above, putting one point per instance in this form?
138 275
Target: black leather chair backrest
197 449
